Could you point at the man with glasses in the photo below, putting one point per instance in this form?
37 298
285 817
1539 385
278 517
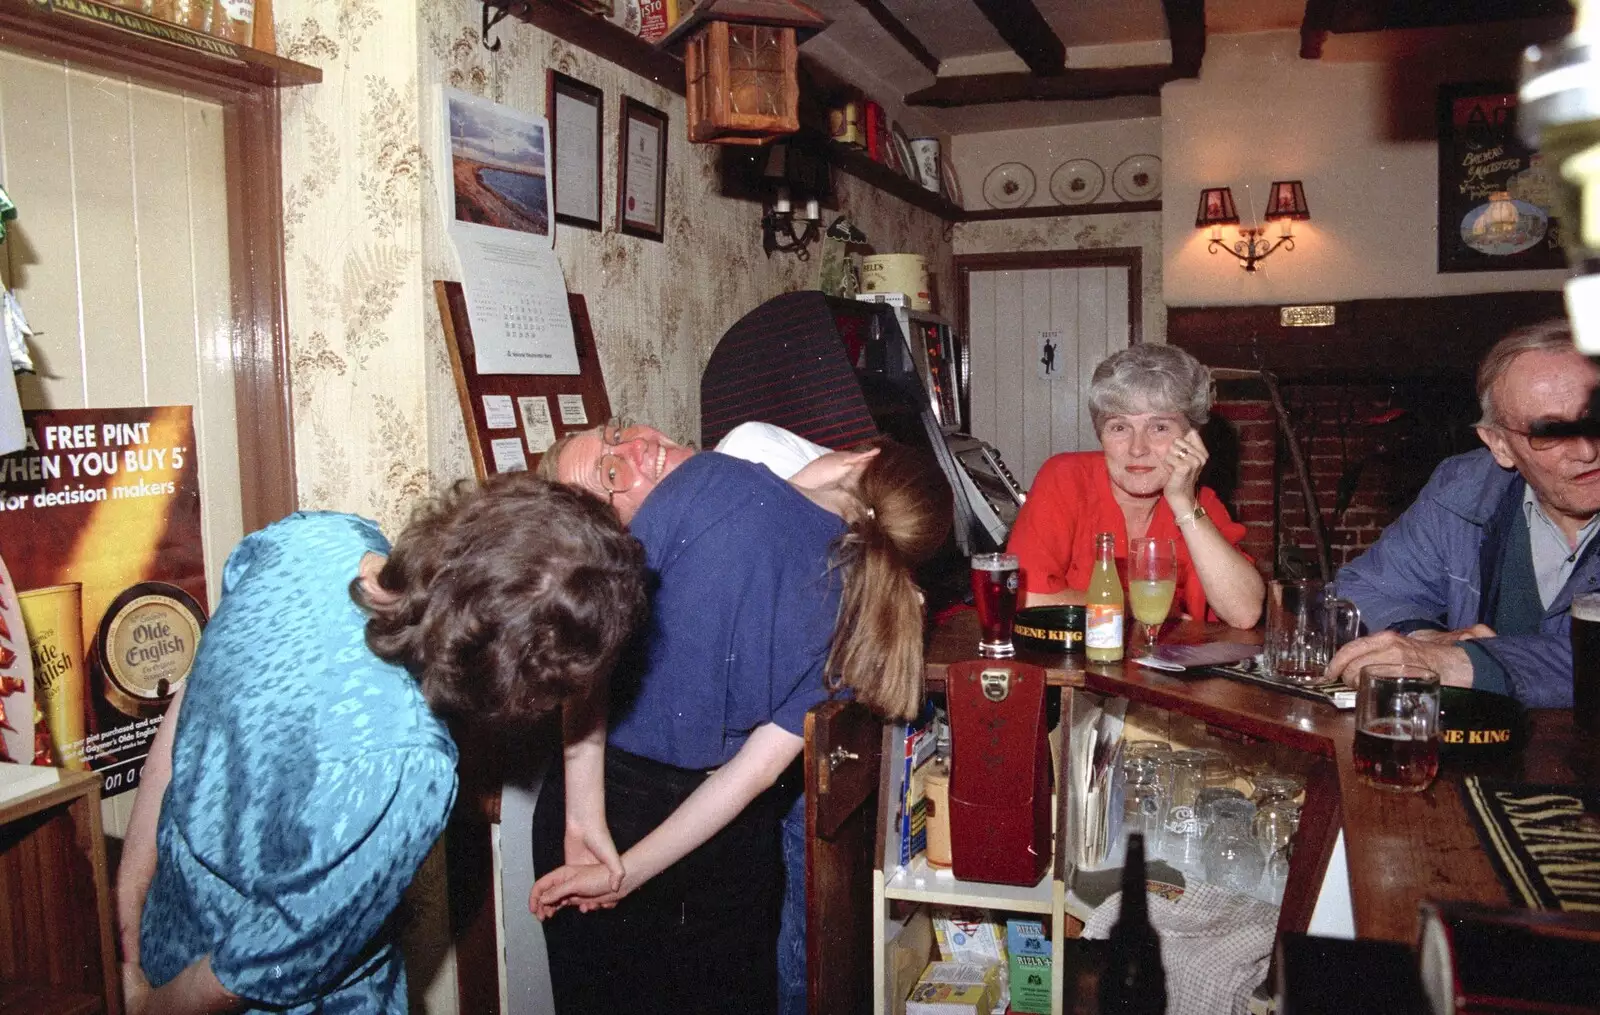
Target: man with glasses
1475 580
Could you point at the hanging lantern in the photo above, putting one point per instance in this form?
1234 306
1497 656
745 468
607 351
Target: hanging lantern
740 62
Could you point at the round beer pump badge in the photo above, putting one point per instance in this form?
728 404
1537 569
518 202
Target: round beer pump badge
147 645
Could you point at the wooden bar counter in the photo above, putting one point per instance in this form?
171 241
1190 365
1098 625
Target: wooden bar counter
1402 848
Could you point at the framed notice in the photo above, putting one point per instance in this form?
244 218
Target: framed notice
642 171
1494 195
575 115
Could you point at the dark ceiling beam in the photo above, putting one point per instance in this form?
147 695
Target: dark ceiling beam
1186 24
1314 28
900 33
1186 27
1028 34
1341 16
1076 85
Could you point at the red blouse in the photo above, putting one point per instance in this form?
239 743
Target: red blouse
1071 501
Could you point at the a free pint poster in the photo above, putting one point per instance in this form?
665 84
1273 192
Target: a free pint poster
100 527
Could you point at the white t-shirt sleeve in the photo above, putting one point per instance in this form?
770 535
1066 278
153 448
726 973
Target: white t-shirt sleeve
783 452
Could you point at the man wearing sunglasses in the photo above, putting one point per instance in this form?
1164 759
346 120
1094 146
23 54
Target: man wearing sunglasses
1476 579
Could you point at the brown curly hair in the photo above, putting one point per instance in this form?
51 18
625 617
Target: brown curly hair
507 598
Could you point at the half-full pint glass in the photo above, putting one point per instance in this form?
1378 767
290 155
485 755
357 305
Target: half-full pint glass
1397 727
995 580
54 616
1586 662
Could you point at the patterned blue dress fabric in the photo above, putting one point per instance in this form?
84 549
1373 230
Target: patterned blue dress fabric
309 782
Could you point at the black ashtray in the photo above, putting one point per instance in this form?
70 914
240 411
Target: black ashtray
1053 629
1479 726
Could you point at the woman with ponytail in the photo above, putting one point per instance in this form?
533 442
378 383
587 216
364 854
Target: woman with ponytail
898 508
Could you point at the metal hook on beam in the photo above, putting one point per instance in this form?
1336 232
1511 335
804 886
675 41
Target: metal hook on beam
489 21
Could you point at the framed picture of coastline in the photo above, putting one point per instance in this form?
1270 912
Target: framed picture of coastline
1495 202
642 171
575 111
499 161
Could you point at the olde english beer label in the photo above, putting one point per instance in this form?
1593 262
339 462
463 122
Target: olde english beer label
1104 627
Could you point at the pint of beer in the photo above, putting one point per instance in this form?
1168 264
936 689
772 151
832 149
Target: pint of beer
1397 727
995 580
54 617
1586 662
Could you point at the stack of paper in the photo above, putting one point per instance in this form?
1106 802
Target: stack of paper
20 780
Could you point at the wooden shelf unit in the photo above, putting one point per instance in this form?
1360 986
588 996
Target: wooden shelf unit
81 28
56 940
628 51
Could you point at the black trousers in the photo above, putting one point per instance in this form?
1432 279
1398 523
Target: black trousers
700 936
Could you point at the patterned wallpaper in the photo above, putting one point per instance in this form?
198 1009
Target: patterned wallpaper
1085 232
377 420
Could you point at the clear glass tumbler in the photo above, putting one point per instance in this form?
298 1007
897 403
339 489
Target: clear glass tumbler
1231 857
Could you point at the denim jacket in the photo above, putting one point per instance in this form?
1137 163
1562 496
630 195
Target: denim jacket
1438 566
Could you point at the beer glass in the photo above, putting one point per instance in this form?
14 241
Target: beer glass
1586 662
1397 727
995 580
1152 581
1306 624
54 618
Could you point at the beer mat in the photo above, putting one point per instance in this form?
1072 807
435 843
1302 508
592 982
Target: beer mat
1250 671
1544 840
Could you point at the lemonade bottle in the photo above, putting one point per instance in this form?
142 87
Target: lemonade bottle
1103 620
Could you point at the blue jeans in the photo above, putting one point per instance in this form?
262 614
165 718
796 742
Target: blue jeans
792 928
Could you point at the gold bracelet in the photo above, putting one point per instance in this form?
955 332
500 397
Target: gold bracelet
1193 516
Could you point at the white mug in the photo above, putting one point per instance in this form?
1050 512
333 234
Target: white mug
925 151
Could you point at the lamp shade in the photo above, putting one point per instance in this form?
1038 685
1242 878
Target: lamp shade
1216 209
1287 200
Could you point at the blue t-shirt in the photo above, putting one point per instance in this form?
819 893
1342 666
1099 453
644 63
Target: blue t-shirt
309 781
741 619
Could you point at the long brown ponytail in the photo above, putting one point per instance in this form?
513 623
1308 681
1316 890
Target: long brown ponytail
905 515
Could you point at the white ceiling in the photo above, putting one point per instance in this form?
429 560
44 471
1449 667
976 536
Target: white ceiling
1095 32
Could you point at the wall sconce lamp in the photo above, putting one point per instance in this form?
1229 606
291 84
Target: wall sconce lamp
796 177
778 225
1286 203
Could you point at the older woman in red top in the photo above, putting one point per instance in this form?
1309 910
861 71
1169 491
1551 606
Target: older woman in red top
1146 403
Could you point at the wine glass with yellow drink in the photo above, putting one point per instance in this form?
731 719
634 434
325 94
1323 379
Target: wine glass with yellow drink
1152 580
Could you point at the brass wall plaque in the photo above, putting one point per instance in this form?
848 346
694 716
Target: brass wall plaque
1319 315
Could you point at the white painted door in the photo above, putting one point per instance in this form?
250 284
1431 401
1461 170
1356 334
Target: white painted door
1036 336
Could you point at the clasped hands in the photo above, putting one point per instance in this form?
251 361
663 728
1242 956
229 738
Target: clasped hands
1434 650
591 878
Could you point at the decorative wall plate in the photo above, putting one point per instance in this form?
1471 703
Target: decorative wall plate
902 151
952 183
1137 178
1009 185
1077 181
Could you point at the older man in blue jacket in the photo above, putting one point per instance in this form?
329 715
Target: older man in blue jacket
1475 580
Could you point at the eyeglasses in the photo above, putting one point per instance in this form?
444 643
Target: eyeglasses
617 474
1546 442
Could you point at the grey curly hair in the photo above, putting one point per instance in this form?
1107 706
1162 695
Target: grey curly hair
1150 378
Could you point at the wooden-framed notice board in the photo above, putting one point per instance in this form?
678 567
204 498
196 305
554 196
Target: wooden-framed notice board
512 418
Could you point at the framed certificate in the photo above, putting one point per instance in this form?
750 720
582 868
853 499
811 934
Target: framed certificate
575 113
642 171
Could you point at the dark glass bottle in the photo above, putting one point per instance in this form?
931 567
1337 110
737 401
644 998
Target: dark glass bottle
1133 982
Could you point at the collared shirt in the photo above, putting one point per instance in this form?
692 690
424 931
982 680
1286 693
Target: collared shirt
1553 556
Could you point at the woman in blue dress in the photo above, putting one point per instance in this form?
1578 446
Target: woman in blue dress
305 770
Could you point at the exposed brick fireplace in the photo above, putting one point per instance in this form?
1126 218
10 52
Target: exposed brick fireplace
1375 403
